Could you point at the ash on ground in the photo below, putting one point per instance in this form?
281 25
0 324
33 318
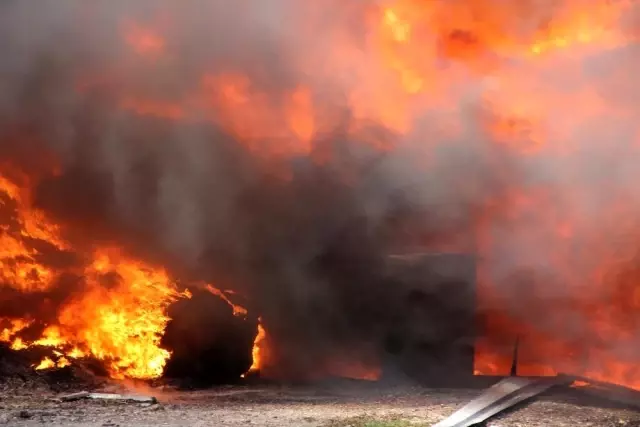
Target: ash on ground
30 401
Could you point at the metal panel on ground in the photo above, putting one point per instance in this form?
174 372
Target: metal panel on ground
503 395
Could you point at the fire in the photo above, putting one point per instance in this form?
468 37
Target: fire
18 344
46 363
420 55
155 108
514 77
143 40
237 309
19 266
513 50
119 316
118 323
355 369
123 325
258 350
15 326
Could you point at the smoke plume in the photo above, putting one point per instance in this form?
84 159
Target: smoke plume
282 149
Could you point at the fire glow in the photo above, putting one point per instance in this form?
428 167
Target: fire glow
508 75
120 325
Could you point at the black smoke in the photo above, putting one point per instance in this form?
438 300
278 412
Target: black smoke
303 238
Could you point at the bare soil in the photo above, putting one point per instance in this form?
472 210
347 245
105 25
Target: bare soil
338 404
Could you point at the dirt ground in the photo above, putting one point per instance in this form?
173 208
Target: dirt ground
317 406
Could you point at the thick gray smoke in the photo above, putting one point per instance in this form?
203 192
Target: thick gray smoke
304 240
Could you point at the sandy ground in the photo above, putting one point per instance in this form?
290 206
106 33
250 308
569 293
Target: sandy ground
317 406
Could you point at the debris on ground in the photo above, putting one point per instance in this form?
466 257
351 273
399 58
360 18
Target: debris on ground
276 405
107 396
74 396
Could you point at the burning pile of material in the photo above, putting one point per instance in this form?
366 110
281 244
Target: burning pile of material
280 151
113 308
116 314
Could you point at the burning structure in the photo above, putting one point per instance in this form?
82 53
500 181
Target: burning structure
214 187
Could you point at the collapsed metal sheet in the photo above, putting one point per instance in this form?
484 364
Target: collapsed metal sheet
612 392
502 395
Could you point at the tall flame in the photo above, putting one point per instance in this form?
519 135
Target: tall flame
258 350
119 316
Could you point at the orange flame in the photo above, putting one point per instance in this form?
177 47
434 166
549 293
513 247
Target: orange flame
119 317
511 51
124 324
48 363
19 267
121 325
144 40
15 326
258 350
238 310
45 363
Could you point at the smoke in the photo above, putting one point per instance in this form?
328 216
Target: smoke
300 237
303 233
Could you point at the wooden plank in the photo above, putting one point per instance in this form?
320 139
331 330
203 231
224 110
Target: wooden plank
74 396
124 397
106 396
